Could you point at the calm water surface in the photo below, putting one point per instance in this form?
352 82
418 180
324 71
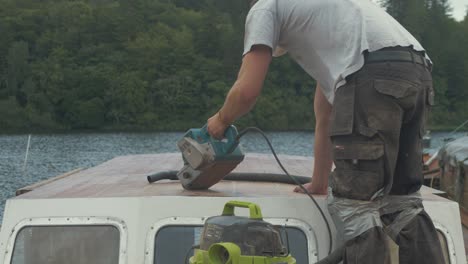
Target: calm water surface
51 155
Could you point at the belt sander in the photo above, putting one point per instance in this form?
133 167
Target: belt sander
206 159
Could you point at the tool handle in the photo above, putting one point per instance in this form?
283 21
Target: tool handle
255 211
230 133
229 141
204 131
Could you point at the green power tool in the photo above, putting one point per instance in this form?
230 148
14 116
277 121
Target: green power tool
230 239
207 160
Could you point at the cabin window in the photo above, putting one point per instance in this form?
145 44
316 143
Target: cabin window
174 243
67 244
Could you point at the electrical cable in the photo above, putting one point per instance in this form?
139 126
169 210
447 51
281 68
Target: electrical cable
255 129
458 128
287 240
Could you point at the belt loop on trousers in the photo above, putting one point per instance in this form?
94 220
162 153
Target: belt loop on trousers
428 65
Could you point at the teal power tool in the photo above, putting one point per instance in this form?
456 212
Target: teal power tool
206 160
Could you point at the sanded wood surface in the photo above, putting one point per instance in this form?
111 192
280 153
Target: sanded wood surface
125 176
41 183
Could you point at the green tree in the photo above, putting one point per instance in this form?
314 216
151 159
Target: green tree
168 64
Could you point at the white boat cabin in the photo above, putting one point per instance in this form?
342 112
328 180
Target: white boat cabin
110 214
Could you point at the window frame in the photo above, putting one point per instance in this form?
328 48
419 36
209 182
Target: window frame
200 221
450 244
70 221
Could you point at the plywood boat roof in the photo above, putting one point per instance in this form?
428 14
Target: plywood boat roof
125 176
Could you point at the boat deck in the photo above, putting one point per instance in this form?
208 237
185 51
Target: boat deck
125 176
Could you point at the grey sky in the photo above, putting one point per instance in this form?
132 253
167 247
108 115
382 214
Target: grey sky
458 6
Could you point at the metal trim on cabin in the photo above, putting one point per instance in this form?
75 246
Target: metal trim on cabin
70 221
450 244
200 221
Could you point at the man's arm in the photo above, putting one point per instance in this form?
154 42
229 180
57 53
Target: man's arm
322 158
243 94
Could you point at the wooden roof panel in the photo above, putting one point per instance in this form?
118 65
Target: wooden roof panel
126 176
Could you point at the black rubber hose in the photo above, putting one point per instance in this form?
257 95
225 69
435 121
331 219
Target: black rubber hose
266 177
236 176
162 175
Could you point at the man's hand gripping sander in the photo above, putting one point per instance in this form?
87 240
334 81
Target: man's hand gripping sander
206 160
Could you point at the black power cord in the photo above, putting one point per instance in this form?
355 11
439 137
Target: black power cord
255 129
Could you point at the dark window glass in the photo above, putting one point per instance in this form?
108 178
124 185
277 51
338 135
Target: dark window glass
173 243
298 244
67 244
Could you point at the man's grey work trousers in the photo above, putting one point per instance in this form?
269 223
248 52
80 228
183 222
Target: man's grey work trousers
377 127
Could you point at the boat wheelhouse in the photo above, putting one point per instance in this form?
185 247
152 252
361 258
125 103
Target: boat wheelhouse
110 214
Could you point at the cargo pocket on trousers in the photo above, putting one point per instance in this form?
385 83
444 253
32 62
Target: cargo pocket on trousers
396 97
358 174
395 88
342 116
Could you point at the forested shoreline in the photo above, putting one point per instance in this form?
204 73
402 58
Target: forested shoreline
166 65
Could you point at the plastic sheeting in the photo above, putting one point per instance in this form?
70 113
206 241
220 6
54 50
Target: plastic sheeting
453 161
455 152
354 217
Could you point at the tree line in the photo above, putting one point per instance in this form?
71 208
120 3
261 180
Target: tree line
167 65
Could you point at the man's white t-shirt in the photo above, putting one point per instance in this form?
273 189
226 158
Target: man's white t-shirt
326 38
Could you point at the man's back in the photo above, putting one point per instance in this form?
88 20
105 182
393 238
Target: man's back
326 37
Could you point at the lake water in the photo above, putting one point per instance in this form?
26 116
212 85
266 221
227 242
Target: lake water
54 154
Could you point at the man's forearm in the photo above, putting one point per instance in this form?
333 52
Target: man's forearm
322 159
236 104
243 94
